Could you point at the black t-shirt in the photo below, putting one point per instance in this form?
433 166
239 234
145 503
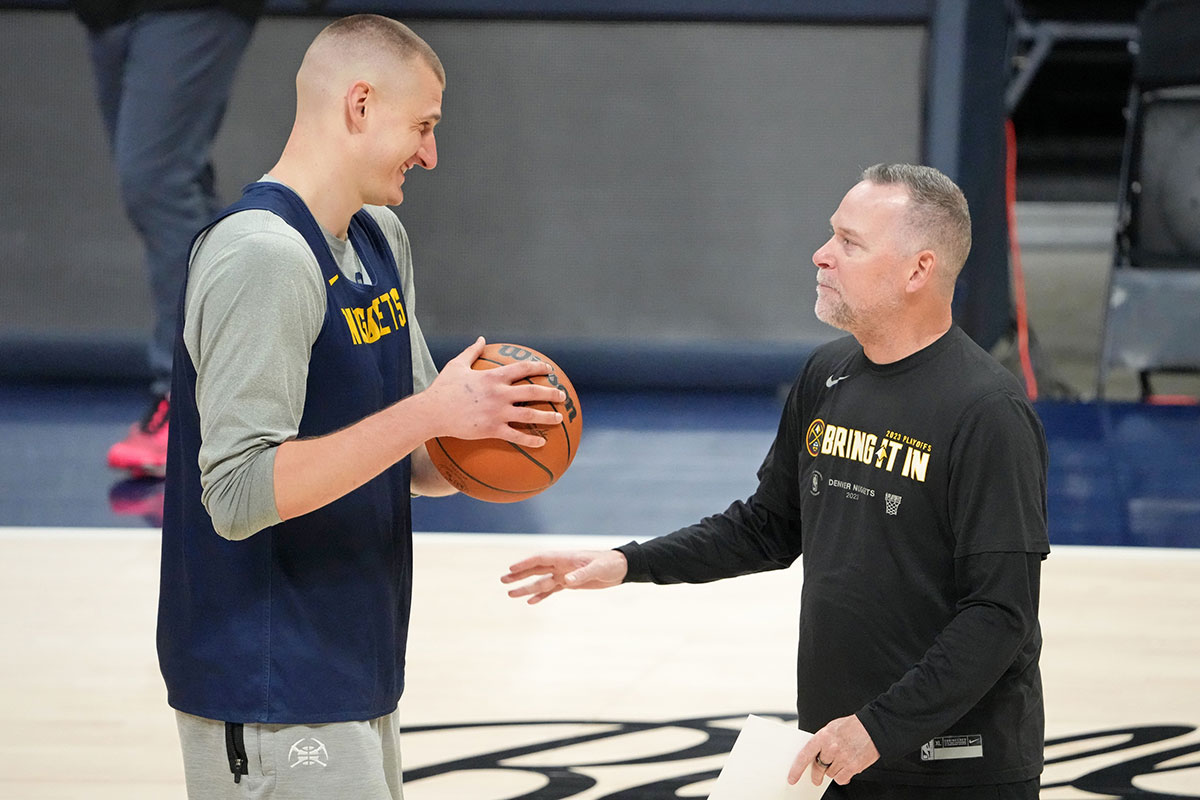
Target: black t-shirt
916 493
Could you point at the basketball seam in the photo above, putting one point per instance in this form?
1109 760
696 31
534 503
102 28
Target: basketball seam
540 465
464 472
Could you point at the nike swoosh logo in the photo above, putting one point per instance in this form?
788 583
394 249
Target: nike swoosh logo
830 381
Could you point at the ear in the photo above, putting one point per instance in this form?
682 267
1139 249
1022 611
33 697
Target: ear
924 267
359 96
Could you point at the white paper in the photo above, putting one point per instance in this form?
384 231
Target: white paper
758 764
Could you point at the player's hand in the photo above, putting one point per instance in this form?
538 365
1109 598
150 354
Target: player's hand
482 403
583 569
844 745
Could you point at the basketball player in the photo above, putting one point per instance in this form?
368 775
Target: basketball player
909 471
303 395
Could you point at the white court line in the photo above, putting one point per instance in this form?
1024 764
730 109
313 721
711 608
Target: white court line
76 533
566 541
1125 553
540 541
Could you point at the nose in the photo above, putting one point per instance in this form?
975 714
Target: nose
821 258
427 154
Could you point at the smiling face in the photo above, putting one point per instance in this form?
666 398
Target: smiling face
862 271
405 111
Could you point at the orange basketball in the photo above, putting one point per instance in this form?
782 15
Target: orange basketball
502 472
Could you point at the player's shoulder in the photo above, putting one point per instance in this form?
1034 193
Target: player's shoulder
256 243
254 231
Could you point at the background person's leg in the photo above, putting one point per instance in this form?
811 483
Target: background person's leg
177 70
177 80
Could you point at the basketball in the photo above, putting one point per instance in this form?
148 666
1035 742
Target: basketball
503 472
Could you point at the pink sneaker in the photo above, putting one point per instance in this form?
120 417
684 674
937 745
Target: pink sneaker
144 451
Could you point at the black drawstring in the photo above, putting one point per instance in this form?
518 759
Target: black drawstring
235 749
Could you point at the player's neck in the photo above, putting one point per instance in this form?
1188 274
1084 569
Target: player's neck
331 199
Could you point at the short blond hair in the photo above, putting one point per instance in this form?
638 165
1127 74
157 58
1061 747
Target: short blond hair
938 218
383 33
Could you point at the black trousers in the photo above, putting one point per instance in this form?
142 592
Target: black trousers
870 790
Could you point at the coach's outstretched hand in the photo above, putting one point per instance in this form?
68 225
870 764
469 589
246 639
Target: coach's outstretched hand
581 569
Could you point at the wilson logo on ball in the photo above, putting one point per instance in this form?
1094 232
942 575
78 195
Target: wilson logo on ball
516 353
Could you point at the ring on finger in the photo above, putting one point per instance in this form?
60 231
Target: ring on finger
821 763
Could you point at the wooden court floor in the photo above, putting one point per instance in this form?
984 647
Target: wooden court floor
634 693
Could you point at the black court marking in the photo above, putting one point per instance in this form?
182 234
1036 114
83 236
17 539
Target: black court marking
1116 775
566 779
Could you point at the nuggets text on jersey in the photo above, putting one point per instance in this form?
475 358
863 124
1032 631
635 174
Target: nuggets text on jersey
367 324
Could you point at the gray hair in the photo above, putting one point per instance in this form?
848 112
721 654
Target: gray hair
938 218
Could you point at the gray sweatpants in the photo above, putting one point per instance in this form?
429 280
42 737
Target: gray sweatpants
358 760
